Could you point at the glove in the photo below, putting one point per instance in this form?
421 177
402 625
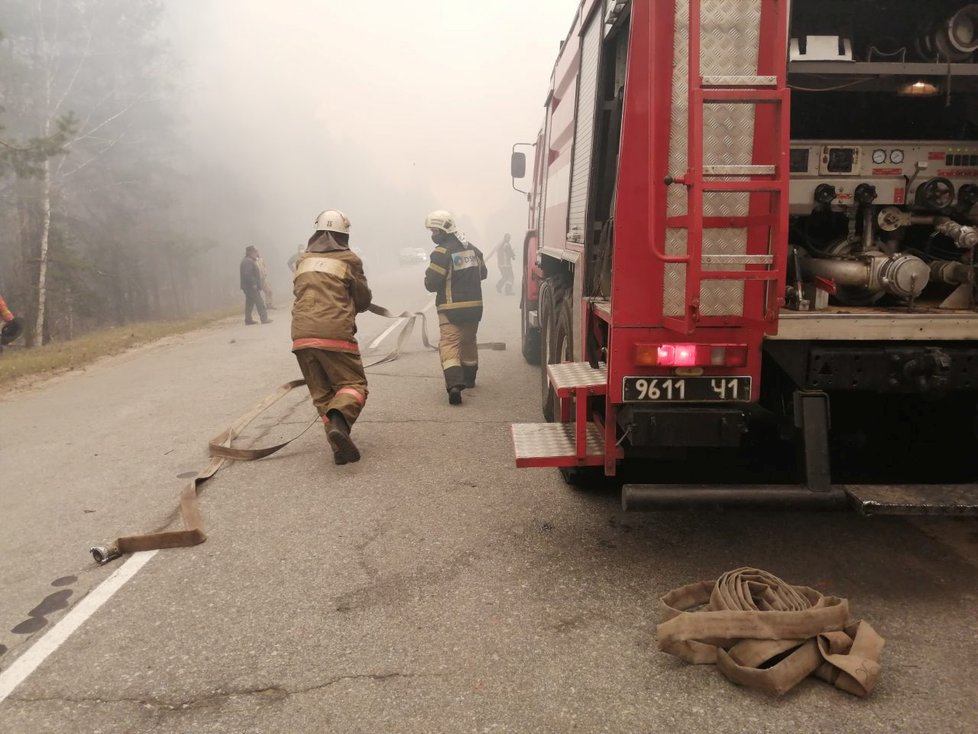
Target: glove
11 330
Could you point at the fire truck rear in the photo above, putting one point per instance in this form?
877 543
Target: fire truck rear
749 268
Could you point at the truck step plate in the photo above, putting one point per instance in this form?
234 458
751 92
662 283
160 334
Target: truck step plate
571 376
914 499
553 444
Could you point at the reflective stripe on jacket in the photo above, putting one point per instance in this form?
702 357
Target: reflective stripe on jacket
455 275
330 290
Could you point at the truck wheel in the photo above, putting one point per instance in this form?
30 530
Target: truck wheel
563 331
545 304
584 477
530 337
556 343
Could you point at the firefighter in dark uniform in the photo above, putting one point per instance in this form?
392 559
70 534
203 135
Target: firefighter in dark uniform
455 274
330 290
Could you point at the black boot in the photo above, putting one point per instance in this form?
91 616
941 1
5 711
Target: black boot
469 374
338 435
455 395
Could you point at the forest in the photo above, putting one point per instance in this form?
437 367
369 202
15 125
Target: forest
100 222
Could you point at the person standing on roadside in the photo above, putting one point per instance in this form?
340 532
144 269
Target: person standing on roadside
266 288
504 260
13 327
455 273
251 285
330 290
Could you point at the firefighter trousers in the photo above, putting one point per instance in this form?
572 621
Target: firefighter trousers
335 380
459 352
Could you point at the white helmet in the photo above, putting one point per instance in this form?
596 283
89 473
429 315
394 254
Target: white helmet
332 220
441 219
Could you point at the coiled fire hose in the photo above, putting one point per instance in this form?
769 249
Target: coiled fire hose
220 450
766 634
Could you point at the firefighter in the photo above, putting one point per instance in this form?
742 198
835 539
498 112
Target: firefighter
330 290
13 327
504 260
455 274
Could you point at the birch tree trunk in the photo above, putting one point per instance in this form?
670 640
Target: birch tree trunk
45 240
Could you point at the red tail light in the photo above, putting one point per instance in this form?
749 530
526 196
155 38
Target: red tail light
691 355
677 355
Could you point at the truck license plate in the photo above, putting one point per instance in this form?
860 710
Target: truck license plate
685 389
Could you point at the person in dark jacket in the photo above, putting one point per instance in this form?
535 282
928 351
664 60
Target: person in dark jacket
455 273
251 284
330 290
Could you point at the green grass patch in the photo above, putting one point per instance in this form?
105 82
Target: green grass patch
17 362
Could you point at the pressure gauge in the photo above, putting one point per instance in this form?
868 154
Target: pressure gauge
879 156
896 156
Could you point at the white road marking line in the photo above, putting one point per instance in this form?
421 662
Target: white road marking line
28 662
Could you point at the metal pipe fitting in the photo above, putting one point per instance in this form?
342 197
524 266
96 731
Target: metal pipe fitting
952 273
104 553
903 276
961 235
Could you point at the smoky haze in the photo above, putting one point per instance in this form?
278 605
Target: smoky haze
145 143
382 109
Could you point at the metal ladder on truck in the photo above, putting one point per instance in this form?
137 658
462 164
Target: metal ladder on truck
766 179
583 439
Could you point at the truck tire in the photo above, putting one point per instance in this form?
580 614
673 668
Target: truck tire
563 331
530 337
584 477
556 341
545 305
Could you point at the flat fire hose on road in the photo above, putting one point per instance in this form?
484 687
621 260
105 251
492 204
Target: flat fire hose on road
220 450
764 633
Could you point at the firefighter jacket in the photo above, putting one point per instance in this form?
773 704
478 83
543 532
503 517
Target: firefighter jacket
455 274
250 275
4 311
330 290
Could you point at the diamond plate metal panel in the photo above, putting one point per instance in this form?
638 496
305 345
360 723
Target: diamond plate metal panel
568 376
674 296
675 241
584 136
552 440
722 298
730 36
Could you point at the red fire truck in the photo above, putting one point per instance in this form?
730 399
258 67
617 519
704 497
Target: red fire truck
749 269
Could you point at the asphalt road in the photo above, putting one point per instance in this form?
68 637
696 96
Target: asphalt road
432 587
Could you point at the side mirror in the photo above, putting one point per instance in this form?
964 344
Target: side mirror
517 165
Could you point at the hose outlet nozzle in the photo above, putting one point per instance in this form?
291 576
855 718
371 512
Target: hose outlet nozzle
104 553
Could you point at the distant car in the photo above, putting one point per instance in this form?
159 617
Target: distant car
413 255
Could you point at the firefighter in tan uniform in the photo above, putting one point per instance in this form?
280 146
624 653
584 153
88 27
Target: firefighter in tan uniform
330 290
455 275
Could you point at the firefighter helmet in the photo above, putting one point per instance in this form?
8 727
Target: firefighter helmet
332 220
441 219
